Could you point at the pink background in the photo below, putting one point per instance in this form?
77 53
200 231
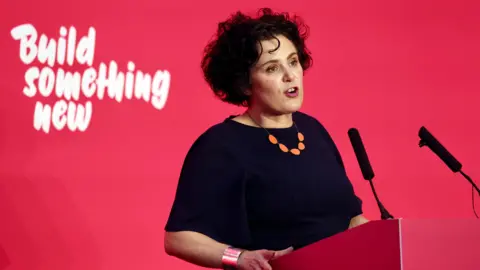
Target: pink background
99 199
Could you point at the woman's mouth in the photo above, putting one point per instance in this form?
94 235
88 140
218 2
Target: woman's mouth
292 92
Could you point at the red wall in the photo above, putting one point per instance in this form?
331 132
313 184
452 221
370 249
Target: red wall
99 199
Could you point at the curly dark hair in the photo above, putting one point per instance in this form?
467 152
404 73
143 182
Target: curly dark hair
229 57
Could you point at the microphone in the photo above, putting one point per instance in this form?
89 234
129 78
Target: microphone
366 167
427 139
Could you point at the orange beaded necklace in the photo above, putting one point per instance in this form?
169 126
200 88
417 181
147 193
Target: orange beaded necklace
284 148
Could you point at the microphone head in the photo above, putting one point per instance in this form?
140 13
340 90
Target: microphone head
427 139
361 154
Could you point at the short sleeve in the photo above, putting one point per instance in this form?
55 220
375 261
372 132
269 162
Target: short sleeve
356 205
210 196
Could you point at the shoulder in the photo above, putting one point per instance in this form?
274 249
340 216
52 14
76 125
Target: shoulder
210 159
314 124
214 140
308 120
215 134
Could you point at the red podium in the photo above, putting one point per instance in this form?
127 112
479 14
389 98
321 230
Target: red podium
399 244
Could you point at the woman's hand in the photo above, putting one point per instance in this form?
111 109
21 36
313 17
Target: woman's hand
259 259
357 221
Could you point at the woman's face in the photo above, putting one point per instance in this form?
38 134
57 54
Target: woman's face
277 78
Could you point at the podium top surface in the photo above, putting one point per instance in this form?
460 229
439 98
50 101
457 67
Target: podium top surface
398 244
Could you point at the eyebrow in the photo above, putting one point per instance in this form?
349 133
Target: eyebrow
276 60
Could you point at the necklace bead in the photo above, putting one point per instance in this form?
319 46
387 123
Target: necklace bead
301 146
295 151
273 140
284 148
300 136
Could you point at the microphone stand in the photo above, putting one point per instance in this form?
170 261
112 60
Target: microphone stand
383 211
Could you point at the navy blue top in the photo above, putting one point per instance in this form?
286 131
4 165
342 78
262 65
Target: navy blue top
241 190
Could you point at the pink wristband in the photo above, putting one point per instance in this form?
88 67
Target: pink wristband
230 257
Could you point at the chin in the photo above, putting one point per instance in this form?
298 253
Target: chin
285 106
294 105
291 108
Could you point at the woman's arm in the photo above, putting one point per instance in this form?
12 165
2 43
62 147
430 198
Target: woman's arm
195 248
357 221
202 250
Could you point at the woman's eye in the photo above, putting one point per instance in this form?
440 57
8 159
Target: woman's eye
271 68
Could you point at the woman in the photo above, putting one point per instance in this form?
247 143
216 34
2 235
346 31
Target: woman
261 184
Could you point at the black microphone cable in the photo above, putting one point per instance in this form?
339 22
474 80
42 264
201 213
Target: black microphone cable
473 191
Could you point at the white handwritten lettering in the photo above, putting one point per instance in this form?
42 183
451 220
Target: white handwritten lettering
160 87
30 76
27 35
70 86
71 115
